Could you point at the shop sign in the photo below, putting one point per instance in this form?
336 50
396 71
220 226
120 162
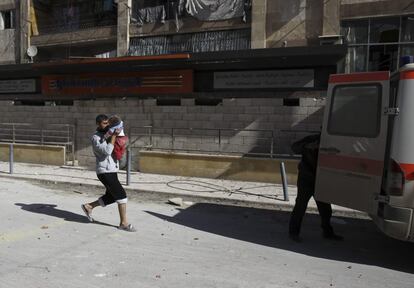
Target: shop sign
299 78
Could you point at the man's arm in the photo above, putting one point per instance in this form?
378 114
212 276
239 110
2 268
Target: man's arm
103 147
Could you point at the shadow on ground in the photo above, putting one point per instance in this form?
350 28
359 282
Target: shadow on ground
364 243
51 210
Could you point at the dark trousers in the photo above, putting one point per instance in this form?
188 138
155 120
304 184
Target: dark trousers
306 190
114 190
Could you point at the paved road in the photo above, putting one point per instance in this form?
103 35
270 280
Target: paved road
46 242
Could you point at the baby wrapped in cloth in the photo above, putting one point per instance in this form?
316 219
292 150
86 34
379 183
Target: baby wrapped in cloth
117 125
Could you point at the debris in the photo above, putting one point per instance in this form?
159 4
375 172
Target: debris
158 276
44 227
349 267
79 192
188 203
195 238
176 201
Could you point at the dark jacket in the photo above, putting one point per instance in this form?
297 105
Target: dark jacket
308 147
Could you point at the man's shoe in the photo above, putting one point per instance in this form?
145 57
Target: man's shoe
333 236
295 237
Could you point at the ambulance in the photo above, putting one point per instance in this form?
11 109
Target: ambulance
366 158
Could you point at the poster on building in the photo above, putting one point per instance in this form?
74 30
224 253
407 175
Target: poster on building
264 79
17 86
116 84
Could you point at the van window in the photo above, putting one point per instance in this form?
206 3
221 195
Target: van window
355 111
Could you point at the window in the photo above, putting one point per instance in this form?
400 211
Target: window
355 111
7 20
377 44
407 29
384 30
355 31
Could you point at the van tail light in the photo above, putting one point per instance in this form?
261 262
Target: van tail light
396 179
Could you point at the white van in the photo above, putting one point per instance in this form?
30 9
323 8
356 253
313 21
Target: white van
366 158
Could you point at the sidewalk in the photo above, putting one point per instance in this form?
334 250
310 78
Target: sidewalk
253 194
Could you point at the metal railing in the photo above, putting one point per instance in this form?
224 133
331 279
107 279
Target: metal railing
48 134
145 137
248 142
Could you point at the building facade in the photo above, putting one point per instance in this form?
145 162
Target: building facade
259 65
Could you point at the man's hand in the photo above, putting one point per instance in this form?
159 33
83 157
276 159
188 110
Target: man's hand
117 131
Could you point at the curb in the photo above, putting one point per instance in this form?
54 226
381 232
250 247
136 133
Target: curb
155 196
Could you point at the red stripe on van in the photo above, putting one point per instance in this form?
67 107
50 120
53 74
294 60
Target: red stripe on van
360 77
352 164
407 75
408 169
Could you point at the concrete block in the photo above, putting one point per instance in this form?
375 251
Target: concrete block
244 102
175 116
313 110
149 102
236 110
230 117
179 124
229 102
193 109
246 117
208 109
208 125
252 110
196 124
189 116
267 109
216 117
174 109
38 154
203 117
187 102
237 125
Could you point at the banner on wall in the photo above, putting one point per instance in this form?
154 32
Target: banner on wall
113 84
17 86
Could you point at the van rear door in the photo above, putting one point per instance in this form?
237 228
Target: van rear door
353 141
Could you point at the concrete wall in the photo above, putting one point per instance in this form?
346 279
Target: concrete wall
7 46
295 22
37 154
247 113
364 8
7 4
217 167
84 36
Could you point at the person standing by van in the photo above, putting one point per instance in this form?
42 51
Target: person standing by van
107 168
308 147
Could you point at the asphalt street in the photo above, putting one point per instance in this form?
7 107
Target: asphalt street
45 241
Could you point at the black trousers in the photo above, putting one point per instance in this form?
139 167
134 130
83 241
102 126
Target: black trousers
114 190
306 190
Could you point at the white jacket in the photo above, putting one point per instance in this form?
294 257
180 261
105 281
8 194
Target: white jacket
105 163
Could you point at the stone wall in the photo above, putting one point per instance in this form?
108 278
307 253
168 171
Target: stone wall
232 113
